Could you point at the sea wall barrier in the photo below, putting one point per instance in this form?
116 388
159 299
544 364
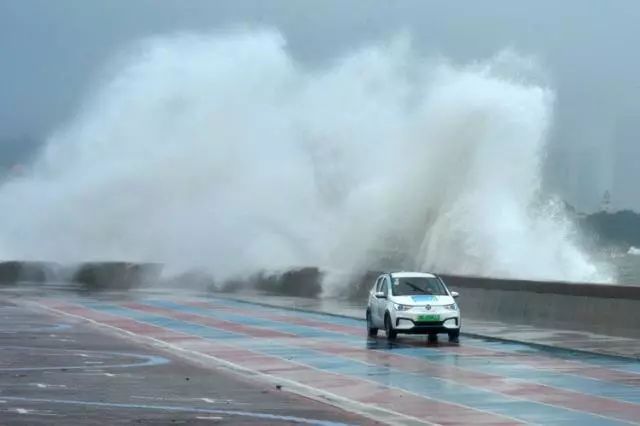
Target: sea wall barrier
115 275
93 276
12 272
598 308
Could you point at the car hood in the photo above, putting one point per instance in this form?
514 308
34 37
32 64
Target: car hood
422 300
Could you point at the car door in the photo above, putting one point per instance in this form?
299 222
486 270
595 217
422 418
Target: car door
373 301
381 305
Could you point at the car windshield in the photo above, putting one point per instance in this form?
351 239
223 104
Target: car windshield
407 286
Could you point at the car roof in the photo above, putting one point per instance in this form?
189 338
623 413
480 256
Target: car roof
411 275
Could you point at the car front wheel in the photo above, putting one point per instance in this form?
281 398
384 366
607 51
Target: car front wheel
372 331
388 327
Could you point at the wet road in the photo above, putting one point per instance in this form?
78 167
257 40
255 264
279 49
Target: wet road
58 370
329 358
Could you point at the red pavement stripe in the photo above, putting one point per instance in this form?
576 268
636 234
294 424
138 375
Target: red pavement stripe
114 320
519 389
345 329
537 361
259 332
362 391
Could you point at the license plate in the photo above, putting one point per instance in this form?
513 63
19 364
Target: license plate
428 317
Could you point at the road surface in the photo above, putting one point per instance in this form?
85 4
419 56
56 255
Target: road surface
59 370
162 358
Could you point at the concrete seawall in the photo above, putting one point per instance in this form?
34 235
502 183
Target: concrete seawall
12 272
88 276
116 275
598 308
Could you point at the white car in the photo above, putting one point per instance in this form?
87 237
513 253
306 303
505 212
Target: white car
414 303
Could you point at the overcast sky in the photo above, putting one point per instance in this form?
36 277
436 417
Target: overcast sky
51 50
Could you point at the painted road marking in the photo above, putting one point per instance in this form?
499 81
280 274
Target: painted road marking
507 367
263 416
358 394
309 347
377 413
145 360
522 391
524 407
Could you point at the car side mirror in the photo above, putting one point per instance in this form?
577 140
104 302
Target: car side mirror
455 294
380 295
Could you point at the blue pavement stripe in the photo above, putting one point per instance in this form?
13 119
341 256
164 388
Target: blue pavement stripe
429 387
495 365
283 326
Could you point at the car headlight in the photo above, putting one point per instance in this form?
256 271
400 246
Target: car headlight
401 307
452 307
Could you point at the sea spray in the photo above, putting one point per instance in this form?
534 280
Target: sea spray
221 152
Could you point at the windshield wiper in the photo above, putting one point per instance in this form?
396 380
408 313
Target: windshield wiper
415 287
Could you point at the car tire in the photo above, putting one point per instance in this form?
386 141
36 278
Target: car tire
388 328
454 335
371 330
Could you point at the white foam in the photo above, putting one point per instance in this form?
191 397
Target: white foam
635 251
222 152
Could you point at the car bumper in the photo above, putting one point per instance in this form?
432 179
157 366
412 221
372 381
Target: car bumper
410 323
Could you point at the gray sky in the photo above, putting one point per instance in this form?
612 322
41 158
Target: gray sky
51 50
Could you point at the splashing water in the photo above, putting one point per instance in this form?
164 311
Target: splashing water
222 152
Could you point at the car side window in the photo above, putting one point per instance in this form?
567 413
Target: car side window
378 284
385 286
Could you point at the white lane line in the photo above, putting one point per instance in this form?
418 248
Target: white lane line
45 386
